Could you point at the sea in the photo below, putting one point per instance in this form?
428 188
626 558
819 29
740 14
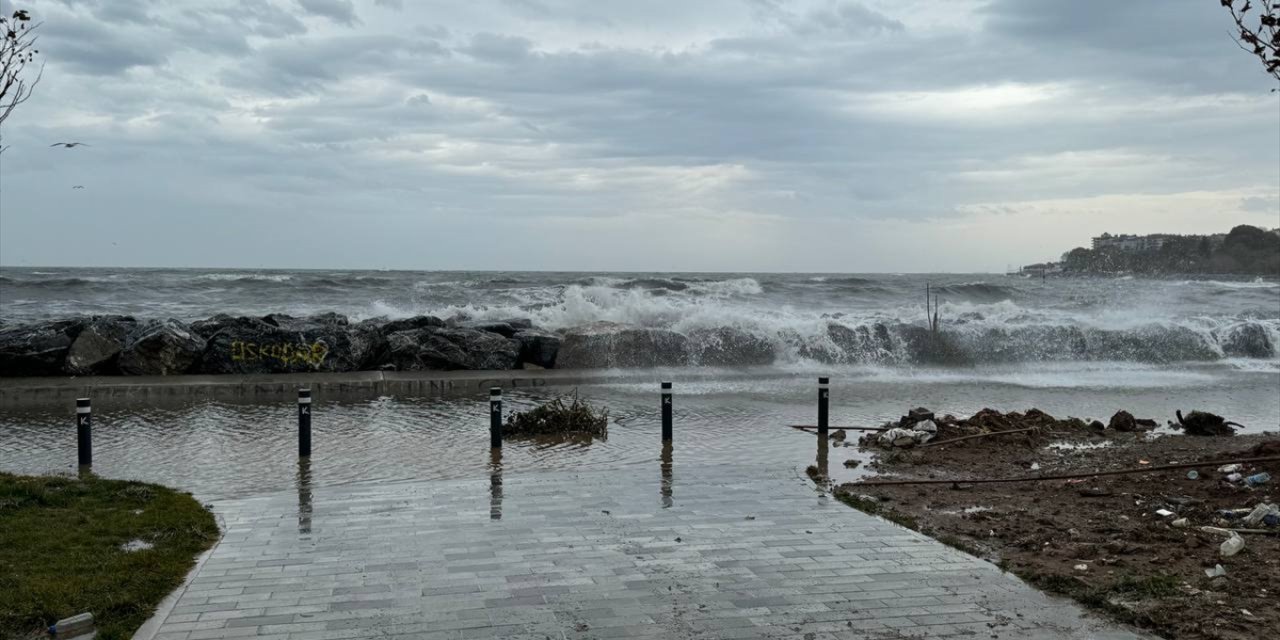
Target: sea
1154 346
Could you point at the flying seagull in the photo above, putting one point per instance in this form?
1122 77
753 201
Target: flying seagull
79 186
68 145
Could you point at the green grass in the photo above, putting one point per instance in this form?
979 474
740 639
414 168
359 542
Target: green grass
60 551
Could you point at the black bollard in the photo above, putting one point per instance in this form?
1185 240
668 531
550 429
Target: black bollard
304 422
84 432
824 396
666 412
495 417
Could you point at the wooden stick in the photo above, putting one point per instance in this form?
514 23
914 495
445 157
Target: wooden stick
809 426
1069 476
978 435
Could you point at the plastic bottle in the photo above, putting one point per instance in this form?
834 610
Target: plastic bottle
1257 479
1232 545
74 626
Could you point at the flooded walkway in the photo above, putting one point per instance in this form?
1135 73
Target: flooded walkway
709 552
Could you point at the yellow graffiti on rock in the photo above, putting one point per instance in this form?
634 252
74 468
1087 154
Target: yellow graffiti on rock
282 352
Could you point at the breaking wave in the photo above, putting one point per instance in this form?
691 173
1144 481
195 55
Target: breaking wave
971 333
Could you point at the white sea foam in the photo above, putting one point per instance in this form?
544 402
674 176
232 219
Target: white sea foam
232 277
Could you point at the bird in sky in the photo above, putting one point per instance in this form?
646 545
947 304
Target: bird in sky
79 186
68 145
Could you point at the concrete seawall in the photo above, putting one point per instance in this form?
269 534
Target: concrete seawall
55 391
47 392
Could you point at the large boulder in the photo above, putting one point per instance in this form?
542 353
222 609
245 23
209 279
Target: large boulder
206 328
37 349
450 349
161 347
284 344
726 346
1247 340
96 351
285 321
538 348
609 345
388 327
504 328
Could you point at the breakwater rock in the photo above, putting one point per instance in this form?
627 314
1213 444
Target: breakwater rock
329 342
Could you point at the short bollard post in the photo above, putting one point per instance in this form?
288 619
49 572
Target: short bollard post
84 432
495 417
666 412
824 397
304 422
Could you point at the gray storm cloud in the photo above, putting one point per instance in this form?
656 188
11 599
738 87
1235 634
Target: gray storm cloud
549 134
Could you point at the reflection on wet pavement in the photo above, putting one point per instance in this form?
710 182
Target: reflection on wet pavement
304 495
495 483
665 487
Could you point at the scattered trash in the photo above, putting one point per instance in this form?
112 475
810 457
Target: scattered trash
1230 468
1257 479
900 437
136 545
1260 513
751 517
852 463
1232 546
74 626
1234 477
1193 475
1180 523
1082 567
1164 513
1144 462
1246 612
1215 572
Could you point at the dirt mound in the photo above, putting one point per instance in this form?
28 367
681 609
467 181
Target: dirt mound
1144 546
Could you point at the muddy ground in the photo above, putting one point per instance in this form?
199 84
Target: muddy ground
1098 539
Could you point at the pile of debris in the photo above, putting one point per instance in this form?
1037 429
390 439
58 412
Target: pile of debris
557 418
920 427
915 428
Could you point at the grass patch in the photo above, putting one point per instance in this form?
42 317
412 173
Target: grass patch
61 551
1112 597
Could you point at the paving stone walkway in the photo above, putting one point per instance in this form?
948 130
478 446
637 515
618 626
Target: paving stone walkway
717 552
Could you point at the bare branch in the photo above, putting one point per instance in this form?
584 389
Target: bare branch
17 50
1263 39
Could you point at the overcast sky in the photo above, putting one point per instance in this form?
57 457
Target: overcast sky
751 135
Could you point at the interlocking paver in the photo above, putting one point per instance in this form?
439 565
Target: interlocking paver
598 554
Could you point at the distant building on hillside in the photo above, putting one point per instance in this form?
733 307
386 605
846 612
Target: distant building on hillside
1129 242
1152 242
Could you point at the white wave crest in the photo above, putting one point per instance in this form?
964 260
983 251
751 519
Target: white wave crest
234 277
